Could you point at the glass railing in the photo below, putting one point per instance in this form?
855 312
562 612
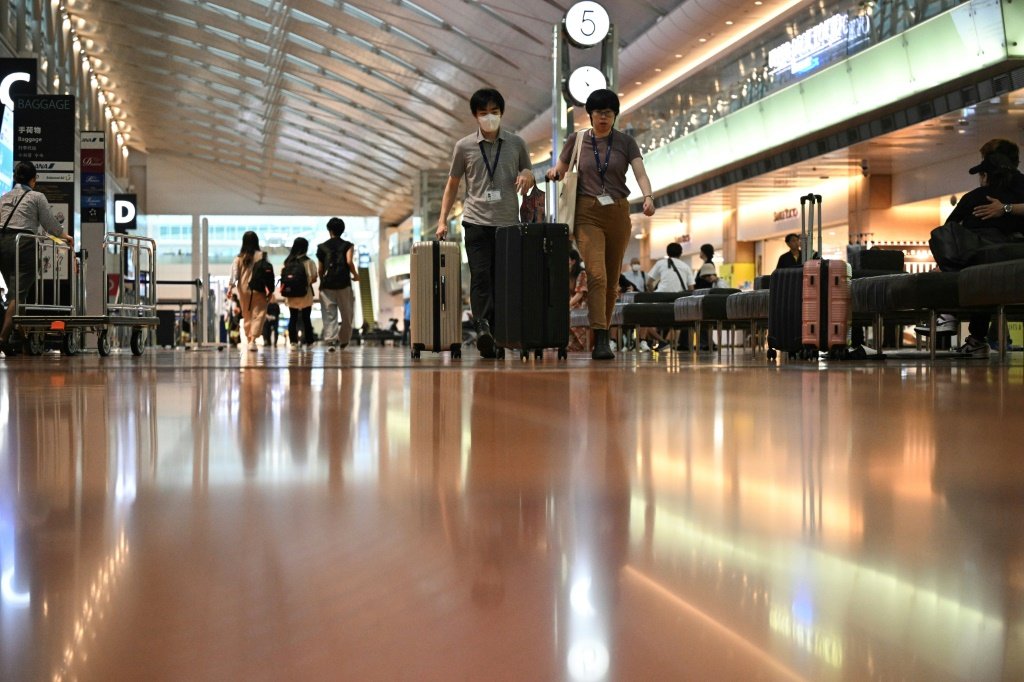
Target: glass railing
823 34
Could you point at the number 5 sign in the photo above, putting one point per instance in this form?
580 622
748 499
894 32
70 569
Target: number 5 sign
586 24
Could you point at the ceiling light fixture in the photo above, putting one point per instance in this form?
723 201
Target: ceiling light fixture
117 125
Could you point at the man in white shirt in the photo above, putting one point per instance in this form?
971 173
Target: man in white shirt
672 274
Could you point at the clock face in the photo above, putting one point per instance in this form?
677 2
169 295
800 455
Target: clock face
586 24
584 81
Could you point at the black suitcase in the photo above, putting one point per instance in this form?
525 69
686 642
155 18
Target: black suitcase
785 308
531 288
786 290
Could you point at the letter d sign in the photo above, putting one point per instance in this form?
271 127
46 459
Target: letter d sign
125 212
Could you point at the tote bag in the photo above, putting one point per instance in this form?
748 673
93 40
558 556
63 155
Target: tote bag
567 197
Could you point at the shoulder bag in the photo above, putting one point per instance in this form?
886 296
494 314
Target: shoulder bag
14 208
570 183
678 274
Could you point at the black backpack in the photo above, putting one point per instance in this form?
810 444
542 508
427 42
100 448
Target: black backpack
262 278
294 281
336 273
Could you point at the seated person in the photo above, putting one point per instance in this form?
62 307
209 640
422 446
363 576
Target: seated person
633 280
671 274
790 259
998 176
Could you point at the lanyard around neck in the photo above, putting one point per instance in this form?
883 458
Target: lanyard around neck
497 155
602 170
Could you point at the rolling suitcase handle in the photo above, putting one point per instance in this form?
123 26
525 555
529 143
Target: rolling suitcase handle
806 227
821 241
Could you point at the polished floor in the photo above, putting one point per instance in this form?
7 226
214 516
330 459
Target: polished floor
357 516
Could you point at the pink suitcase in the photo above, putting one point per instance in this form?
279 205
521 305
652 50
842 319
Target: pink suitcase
826 306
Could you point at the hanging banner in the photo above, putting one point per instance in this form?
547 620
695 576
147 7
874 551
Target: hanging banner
44 133
92 159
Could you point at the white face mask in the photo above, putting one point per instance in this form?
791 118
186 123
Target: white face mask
489 122
636 267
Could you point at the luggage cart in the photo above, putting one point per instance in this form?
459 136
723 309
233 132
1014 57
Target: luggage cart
54 309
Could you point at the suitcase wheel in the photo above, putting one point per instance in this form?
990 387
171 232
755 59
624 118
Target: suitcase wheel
524 355
456 353
772 354
539 354
563 354
415 353
501 353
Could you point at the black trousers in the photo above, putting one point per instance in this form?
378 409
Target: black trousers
270 334
480 243
299 323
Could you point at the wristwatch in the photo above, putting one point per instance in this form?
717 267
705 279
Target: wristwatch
1007 209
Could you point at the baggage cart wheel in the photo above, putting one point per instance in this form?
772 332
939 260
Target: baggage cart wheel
70 343
563 354
138 342
539 354
35 343
772 354
103 344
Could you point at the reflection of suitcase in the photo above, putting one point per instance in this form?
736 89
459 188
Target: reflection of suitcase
531 287
825 318
435 298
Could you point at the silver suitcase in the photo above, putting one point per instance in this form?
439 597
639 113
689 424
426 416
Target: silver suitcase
436 298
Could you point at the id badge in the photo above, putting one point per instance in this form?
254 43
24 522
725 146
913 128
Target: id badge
492 196
605 200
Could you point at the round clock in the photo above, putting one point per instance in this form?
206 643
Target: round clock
584 81
586 24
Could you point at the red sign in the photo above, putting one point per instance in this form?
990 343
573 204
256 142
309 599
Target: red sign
92 160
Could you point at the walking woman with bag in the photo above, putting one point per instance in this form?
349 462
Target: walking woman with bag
601 224
249 282
297 276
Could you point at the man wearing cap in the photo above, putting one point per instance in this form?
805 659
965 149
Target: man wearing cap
998 176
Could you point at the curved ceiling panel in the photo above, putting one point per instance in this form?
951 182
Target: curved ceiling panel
363 93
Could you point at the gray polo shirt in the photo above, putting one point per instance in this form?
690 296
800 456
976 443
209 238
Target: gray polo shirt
468 162
32 214
624 151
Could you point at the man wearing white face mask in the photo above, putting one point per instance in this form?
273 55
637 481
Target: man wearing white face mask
633 279
496 165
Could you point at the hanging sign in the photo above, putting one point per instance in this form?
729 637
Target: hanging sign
44 133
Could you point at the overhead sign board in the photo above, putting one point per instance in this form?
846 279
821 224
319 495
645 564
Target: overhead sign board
836 37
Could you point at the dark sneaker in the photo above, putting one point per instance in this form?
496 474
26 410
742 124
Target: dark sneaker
857 353
973 348
485 341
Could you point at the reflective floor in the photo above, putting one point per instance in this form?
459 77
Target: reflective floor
355 516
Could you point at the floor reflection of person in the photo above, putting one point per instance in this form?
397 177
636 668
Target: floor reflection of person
599 506
254 417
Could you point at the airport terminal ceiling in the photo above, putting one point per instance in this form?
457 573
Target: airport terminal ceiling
344 102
